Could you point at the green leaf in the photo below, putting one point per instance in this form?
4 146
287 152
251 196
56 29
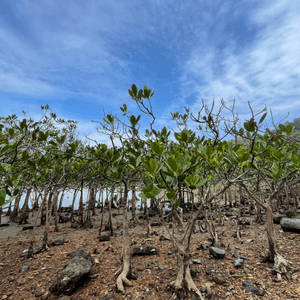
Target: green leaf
184 136
153 164
170 195
134 89
201 182
262 118
133 120
155 147
11 131
295 158
172 163
289 129
177 204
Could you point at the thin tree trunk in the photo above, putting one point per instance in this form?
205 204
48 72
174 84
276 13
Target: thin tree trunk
73 202
133 207
45 238
80 210
25 206
125 270
16 208
55 201
61 200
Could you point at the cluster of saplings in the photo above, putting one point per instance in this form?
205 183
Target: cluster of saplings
47 157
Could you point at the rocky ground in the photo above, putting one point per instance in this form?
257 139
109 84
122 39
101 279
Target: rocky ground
240 274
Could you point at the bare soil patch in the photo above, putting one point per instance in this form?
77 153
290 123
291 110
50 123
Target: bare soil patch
154 272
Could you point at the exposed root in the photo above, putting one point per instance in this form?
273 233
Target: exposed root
149 230
122 278
184 281
191 285
280 264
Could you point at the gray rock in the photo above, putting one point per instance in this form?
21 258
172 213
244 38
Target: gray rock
105 237
292 225
208 271
87 224
220 279
63 218
238 262
24 268
24 253
58 241
144 250
244 221
255 290
149 265
106 297
196 261
74 225
38 294
248 283
74 274
36 250
217 252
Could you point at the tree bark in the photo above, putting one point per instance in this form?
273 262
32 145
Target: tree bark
73 202
25 206
14 214
125 270
133 207
45 238
80 210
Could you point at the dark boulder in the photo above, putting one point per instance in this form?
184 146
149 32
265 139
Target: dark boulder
144 250
74 274
288 224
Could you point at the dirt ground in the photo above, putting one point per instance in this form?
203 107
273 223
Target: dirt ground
154 272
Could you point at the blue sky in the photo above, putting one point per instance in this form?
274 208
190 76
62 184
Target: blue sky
81 57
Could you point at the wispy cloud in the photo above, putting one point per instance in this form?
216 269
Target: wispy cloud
81 57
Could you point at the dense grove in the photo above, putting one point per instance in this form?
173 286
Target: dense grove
193 176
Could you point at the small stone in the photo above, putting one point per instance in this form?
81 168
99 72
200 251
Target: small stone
74 225
244 221
149 265
24 253
238 263
144 250
160 267
106 297
24 268
255 290
36 250
38 294
204 246
58 241
217 252
248 283
208 271
196 261
105 237
243 257
220 279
